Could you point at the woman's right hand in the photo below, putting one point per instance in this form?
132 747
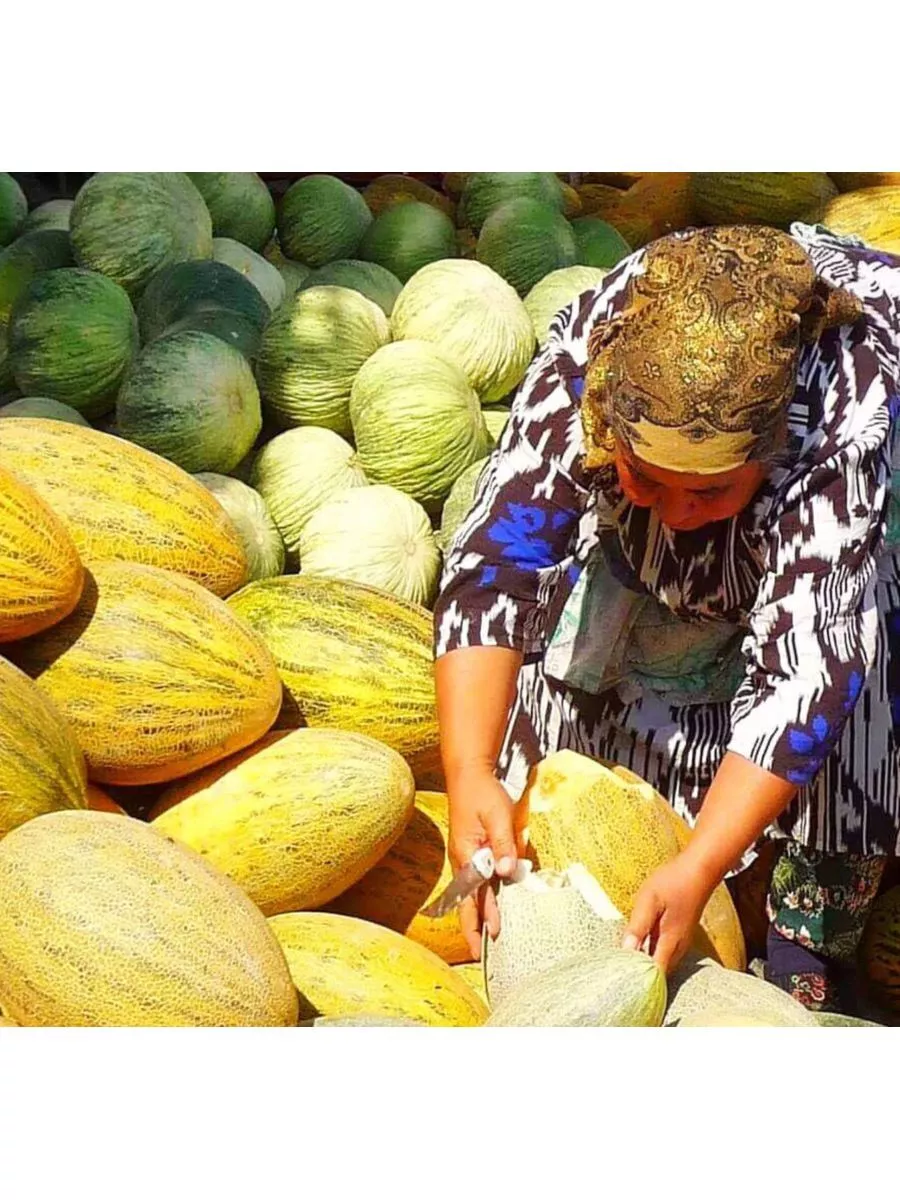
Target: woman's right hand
481 814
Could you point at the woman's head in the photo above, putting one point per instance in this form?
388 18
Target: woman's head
694 377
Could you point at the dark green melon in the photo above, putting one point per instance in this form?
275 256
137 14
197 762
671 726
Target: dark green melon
321 218
29 255
374 282
184 290
72 337
240 204
232 328
130 225
54 214
598 243
524 240
44 408
192 399
13 208
407 237
487 190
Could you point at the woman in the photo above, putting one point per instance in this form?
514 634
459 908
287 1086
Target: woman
708 433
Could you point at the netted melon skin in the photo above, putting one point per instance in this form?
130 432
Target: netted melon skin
699 987
155 675
119 501
103 922
41 575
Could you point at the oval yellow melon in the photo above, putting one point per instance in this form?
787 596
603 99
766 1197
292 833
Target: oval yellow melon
41 766
105 922
578 811
350 657
40 572
473 974
156 676
299 821
119 501
199 781
344 967
872 214
414 872
854 181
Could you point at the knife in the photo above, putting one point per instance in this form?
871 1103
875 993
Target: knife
465 883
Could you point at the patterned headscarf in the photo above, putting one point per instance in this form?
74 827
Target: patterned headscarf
697 372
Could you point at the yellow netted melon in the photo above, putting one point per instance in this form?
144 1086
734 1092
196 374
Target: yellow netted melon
119 501
759 197
367 1020
853 181
188 785
156 676
301 820
872 214
651 207
105 922
702 988
579 811
41 765
473 974
409 877
350 657
345 967
879 951
40 572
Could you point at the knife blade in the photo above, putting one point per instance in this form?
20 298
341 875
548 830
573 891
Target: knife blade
465 883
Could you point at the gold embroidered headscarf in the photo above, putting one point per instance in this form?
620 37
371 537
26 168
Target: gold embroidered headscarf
697 372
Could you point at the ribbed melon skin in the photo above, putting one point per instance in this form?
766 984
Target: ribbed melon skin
879 951
344 967
41 575
350 657
41 765
606 988
156 675
412 874
120 501
611 821
301 820
105 922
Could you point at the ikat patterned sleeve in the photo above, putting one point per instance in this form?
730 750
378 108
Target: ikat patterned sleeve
517 541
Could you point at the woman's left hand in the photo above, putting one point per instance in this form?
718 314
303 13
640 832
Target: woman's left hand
666 911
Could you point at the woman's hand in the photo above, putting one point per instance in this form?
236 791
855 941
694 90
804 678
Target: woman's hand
481 814
667 908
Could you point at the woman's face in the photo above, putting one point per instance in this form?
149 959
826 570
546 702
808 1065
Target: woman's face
683 501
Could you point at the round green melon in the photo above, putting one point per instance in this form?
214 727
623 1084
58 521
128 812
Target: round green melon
524 240
321 218
72 337
43 407
603 988
186 289
262 274
311 352
598 243
193 400
496 418
297 472
13 209
240 205
407 237
54 214
416 420
555 292
258 532
375 283
129 226
487 190
29 255
293 273
458 504
472 315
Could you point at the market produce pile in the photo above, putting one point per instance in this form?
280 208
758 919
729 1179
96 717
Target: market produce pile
236 439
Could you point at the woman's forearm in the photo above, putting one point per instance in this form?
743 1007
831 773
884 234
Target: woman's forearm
742 801
475 689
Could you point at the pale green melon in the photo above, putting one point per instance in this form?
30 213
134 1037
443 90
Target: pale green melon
43 407
555 292
459 503
258 532
263 275
701 987
496 418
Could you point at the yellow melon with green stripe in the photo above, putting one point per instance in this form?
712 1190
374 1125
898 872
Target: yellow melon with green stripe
105 922
40 572
156 676
41 766
344 967
577 810
119 501
300 820
407 879
350 657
